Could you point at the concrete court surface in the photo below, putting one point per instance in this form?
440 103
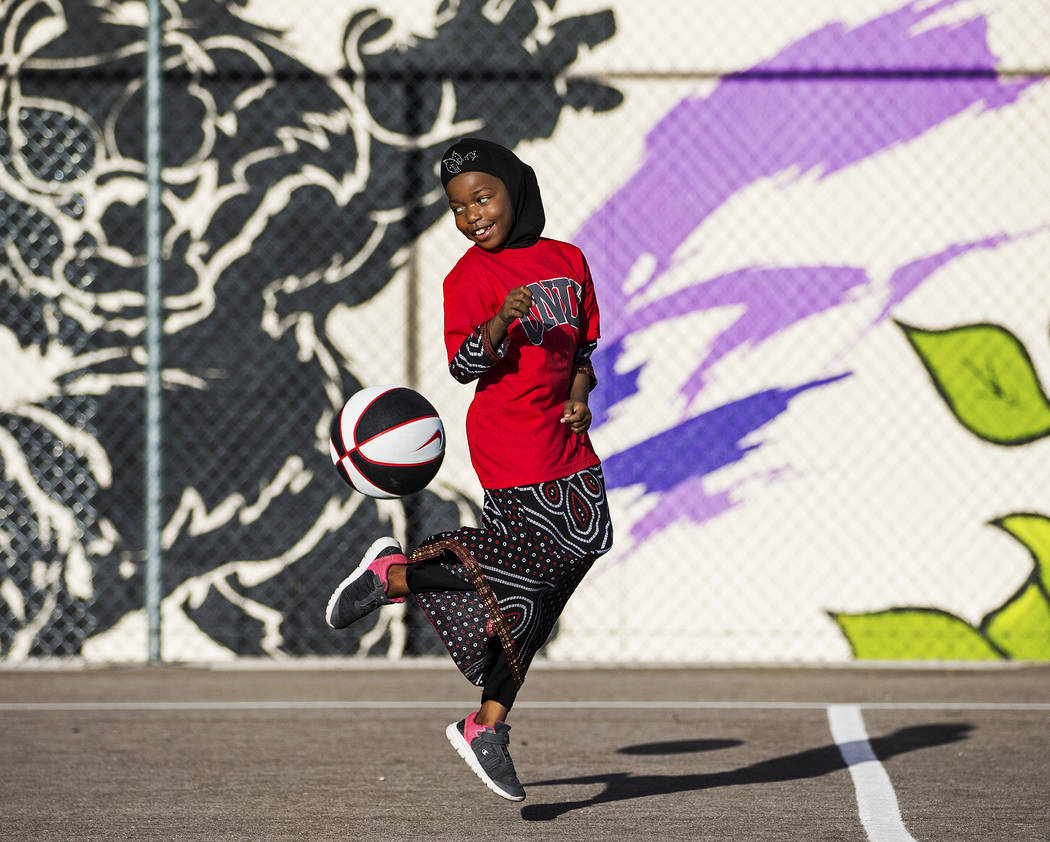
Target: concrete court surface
341 750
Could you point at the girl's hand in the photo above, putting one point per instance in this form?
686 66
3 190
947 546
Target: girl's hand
577 415
516 305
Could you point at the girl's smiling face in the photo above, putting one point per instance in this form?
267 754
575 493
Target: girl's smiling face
481 207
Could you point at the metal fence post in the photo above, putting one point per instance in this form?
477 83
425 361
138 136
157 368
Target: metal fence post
154 330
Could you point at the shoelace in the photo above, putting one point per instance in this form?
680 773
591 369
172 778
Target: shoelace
373 600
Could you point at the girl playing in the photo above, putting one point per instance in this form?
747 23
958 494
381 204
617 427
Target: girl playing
520 318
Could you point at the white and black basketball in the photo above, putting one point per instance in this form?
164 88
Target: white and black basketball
387 441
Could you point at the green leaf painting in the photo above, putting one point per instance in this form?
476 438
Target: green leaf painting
986 377
1021 628
1033 531
906 634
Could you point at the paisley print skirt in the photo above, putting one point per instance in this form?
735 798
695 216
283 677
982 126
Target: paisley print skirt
534 546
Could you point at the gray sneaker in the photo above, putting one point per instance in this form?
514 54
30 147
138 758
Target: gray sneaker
364 590
488 756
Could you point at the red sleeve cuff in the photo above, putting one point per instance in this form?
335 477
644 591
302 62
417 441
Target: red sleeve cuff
486 344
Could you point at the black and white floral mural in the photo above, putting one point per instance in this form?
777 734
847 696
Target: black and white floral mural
287 193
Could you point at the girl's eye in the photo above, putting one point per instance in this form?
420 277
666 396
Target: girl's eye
482 199
457 211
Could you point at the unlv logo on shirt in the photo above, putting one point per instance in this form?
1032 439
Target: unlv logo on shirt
555 302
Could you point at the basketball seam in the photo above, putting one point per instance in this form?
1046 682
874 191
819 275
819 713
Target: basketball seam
394 464
359 445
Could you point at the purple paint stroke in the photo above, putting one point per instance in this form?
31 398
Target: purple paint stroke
691 501
908 277
776 299
615 386
700 445
706 149
885 45
677 460
832 99
773 299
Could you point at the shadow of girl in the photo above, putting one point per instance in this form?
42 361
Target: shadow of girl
812 763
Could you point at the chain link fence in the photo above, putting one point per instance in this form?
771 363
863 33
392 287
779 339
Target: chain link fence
773 201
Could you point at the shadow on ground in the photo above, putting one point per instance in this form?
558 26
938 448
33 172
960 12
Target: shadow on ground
812 763
679 747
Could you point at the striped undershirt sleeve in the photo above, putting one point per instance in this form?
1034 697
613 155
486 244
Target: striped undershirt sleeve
476 355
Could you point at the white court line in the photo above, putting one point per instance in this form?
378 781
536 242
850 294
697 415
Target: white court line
876 800
522 705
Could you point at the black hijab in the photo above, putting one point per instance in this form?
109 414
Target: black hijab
472 154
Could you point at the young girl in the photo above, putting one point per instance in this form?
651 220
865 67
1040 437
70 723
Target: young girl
521 319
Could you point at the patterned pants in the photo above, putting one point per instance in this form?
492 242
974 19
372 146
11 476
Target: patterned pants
494 593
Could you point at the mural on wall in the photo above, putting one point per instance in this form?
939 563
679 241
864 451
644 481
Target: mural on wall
698 159
987 380
685 165
287 193
293 194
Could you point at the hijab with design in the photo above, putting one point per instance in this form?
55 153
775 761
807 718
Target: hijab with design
472 154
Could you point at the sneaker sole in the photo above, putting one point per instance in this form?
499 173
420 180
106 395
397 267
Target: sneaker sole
463 750
370 555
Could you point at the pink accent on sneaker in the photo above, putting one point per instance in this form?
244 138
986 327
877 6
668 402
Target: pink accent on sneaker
471 728
380 567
